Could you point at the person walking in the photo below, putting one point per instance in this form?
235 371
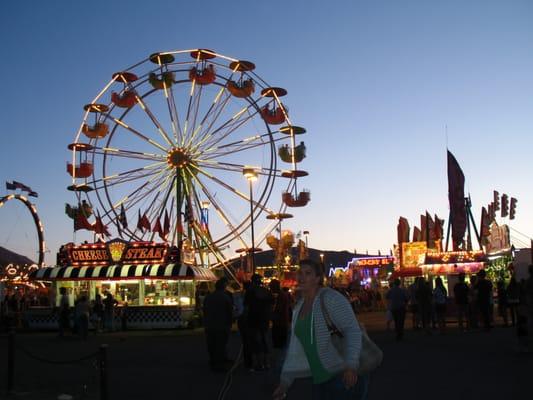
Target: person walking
98 314
398 298
218 315
413 303
82 317
513 299
109 311
440 296
460 293
258 300
64 311
473 307
280 315
424 297
502 301
312 353
484 296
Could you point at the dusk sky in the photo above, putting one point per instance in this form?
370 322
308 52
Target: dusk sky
382 87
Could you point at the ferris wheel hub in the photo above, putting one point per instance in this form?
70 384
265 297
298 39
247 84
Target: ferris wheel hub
178 158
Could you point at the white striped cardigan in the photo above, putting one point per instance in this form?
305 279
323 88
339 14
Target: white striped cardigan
332 359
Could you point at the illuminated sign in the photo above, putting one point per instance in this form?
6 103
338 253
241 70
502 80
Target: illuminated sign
371 261
453 257
114 252
413 254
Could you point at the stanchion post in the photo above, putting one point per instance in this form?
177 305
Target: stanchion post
102 364
11 361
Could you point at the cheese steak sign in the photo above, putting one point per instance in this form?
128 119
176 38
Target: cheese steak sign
117 252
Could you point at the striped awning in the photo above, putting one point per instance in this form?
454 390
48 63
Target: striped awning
116 272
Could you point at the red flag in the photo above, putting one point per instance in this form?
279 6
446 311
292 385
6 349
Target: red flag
403 230
81 222
157 228
145 222
423 228
456 196
438 228
485 224
99 227
417 235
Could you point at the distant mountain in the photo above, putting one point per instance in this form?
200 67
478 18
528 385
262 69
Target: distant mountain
10 257
331 258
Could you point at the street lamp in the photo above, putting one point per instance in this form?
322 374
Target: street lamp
250 173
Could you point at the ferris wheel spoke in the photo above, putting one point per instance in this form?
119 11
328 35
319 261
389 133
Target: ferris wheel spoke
128 154
136 132
224 151
233 190
152 117
210 133
220 212
215 110
120 175
236 167
230 126
174 112
142 193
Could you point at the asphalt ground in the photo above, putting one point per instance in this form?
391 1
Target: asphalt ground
173 365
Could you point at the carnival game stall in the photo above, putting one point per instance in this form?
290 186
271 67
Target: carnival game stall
152 288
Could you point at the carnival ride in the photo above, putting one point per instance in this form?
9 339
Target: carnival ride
170 137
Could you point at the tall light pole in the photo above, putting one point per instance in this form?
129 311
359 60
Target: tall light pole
205 228
250 174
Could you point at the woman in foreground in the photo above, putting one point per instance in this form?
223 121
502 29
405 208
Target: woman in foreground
312 352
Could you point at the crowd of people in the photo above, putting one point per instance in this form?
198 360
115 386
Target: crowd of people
296 329
16 301
473 304
99 312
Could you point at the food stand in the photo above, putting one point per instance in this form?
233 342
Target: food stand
146 279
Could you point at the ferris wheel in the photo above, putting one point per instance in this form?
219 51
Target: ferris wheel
163 147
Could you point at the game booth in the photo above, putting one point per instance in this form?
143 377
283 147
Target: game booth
152 288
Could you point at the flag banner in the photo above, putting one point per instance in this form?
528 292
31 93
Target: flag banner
485 225
81 222
439 228
423 227
157 227
10 186
456 196
417 235
145 222
403 230
22 186
99 227
122 217
33 194
139 221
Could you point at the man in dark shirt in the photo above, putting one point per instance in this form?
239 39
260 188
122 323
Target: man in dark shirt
398 298
460 291
484 296
218 312
258 301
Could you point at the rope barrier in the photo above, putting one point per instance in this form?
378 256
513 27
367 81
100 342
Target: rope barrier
56 362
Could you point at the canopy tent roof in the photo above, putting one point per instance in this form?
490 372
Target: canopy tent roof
116 272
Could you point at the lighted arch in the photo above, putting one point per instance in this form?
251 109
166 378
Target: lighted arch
36 220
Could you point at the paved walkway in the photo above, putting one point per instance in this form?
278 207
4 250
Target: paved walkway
173 365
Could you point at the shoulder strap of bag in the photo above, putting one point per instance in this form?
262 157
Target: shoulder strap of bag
333 330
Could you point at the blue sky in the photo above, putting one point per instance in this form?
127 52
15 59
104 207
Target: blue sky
375 83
